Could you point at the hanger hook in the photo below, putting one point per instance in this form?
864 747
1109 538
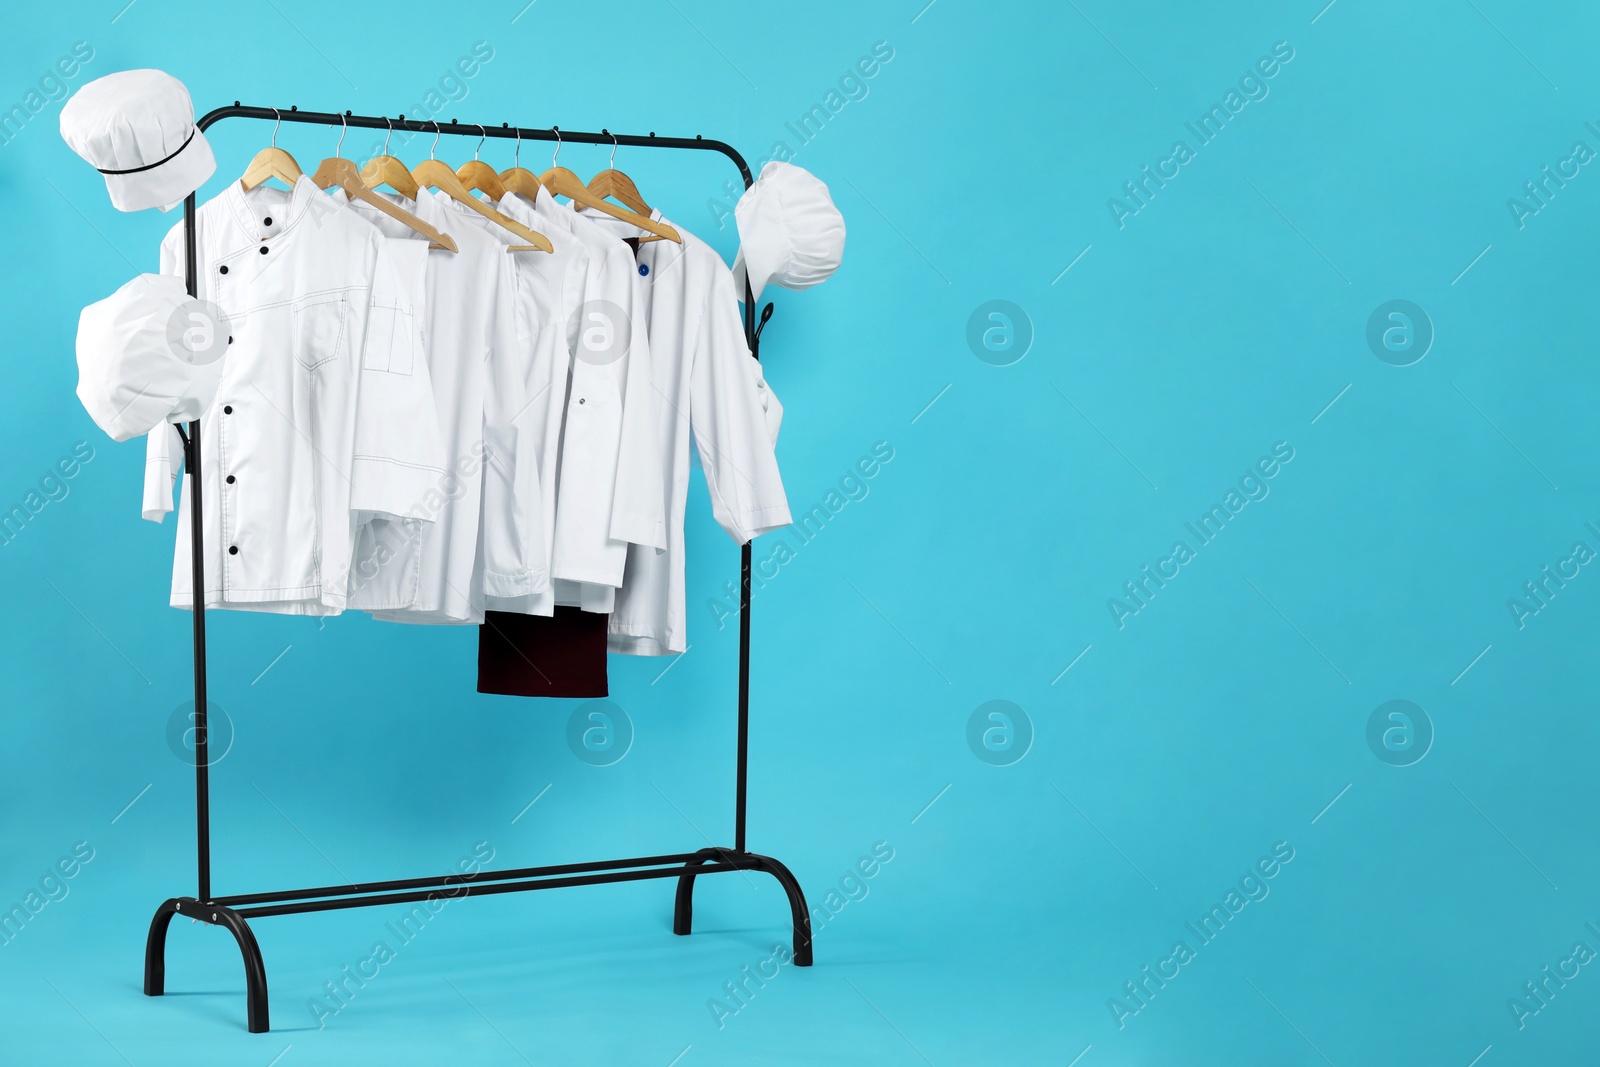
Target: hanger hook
613 164
482 139
557 153
433 152
516 160
344 128
390 134
275 126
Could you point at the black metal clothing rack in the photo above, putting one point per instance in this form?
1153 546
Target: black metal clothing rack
234 911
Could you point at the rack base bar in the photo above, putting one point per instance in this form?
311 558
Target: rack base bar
448 880
224 912
462 889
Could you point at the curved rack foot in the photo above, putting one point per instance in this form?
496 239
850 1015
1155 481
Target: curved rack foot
255 971
683 904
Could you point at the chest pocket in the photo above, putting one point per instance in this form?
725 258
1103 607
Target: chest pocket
392 338
319 331
594 396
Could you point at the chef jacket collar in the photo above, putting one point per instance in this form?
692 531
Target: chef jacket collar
248 207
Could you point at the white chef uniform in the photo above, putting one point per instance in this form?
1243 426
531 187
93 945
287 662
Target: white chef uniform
487 537
290 455
386 562
704 370
610 492
599 245
550 289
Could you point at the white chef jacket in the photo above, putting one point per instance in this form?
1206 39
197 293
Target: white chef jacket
550 290
705 373
553 218
298 444
386 562
610 492
487 536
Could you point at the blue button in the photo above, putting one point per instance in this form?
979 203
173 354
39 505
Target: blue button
644 269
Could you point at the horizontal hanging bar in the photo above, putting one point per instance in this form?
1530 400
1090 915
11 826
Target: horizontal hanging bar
439 881
472 889
463 129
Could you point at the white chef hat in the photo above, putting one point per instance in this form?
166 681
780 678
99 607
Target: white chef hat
147 354
137 128
790 233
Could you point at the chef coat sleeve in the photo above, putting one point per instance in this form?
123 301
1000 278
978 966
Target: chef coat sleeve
638 499
163 454
729 425
399 451
163 448
771 408
515 555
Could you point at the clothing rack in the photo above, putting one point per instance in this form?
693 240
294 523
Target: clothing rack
233 911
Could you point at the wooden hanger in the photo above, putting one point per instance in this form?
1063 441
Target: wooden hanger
478 175
384 169
518 179
562 182
433 174
271 162
336 170
613 184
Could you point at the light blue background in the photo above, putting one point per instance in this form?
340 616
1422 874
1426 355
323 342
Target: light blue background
1228 315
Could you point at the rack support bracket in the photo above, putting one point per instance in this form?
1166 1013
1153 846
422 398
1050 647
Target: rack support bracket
255 970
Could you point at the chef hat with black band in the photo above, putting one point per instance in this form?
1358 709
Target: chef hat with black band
137 128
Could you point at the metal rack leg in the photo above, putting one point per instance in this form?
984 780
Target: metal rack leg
202 727
197 552
255 969
742 755
797 906
683 904
155 950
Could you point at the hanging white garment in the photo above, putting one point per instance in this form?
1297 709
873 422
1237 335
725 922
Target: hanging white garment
487 508
292 457
386 563
596 293
610 493
705 373
550 290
